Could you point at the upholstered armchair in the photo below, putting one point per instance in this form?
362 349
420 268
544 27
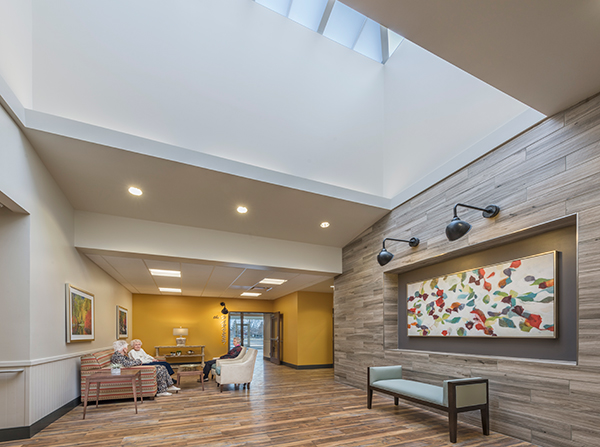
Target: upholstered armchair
220 361
240 372
239 358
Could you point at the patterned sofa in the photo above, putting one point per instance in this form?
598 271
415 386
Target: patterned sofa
97 361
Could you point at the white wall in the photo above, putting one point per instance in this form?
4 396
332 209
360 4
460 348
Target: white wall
107 233
434 110
228 78
14 284
40 257
16 57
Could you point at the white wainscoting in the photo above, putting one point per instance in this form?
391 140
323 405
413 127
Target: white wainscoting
35 389
52 385
12 397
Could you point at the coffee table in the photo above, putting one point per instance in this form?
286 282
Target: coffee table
132 376
189 372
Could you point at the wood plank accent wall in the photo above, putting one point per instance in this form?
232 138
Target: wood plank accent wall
547 173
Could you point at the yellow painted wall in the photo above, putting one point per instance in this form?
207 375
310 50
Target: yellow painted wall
307 323
288 307
155 316
315 328
307 328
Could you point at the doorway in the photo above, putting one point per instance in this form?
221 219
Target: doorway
255 330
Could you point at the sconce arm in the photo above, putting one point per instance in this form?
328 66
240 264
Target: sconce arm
489 211
413 241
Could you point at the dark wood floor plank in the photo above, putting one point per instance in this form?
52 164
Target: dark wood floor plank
284 407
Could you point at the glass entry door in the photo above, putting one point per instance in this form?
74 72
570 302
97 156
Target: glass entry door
249 326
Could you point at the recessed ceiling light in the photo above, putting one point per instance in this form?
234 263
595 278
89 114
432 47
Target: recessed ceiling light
273 281
242 209
324 224
171 273
135 191
251 294
333 287
169 289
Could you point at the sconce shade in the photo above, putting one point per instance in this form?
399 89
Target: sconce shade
457 229
180 331
385 256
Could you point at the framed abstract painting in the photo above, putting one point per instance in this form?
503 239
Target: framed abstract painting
122 323
80 315
512 299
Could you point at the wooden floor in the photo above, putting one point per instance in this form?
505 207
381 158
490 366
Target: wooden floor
284 407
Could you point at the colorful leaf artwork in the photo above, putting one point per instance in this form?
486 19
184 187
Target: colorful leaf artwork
81 319
122 323
514 299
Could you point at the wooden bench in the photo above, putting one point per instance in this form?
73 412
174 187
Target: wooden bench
455 396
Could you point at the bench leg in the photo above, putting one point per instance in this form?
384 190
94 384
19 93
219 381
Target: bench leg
453 424
369 398
395 401
485 420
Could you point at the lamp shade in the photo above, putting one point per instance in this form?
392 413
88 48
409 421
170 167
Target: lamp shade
457 229
384 257
180 331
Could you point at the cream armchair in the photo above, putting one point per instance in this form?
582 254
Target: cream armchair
236 372
220 361
239 358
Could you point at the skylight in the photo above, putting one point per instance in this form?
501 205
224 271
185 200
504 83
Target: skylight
340 23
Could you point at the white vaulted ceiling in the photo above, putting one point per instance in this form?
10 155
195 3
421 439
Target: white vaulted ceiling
207 105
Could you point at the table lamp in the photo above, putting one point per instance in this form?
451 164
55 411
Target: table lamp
179 332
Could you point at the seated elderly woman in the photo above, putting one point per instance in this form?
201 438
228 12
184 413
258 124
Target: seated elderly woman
163 379
137 353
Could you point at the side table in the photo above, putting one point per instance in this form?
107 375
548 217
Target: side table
133 376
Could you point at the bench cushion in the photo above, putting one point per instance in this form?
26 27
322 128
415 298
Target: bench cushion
418 390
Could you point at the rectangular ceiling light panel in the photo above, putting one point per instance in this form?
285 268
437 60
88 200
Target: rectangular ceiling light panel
171 273
273 281
251 294
169 290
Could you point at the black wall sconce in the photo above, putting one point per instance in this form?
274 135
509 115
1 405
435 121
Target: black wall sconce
458 228
224 311
385 256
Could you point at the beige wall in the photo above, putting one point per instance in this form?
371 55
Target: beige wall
14 285
547 173
41 259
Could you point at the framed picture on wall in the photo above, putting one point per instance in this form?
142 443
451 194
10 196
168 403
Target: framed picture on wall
80 315
515 299
122 322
